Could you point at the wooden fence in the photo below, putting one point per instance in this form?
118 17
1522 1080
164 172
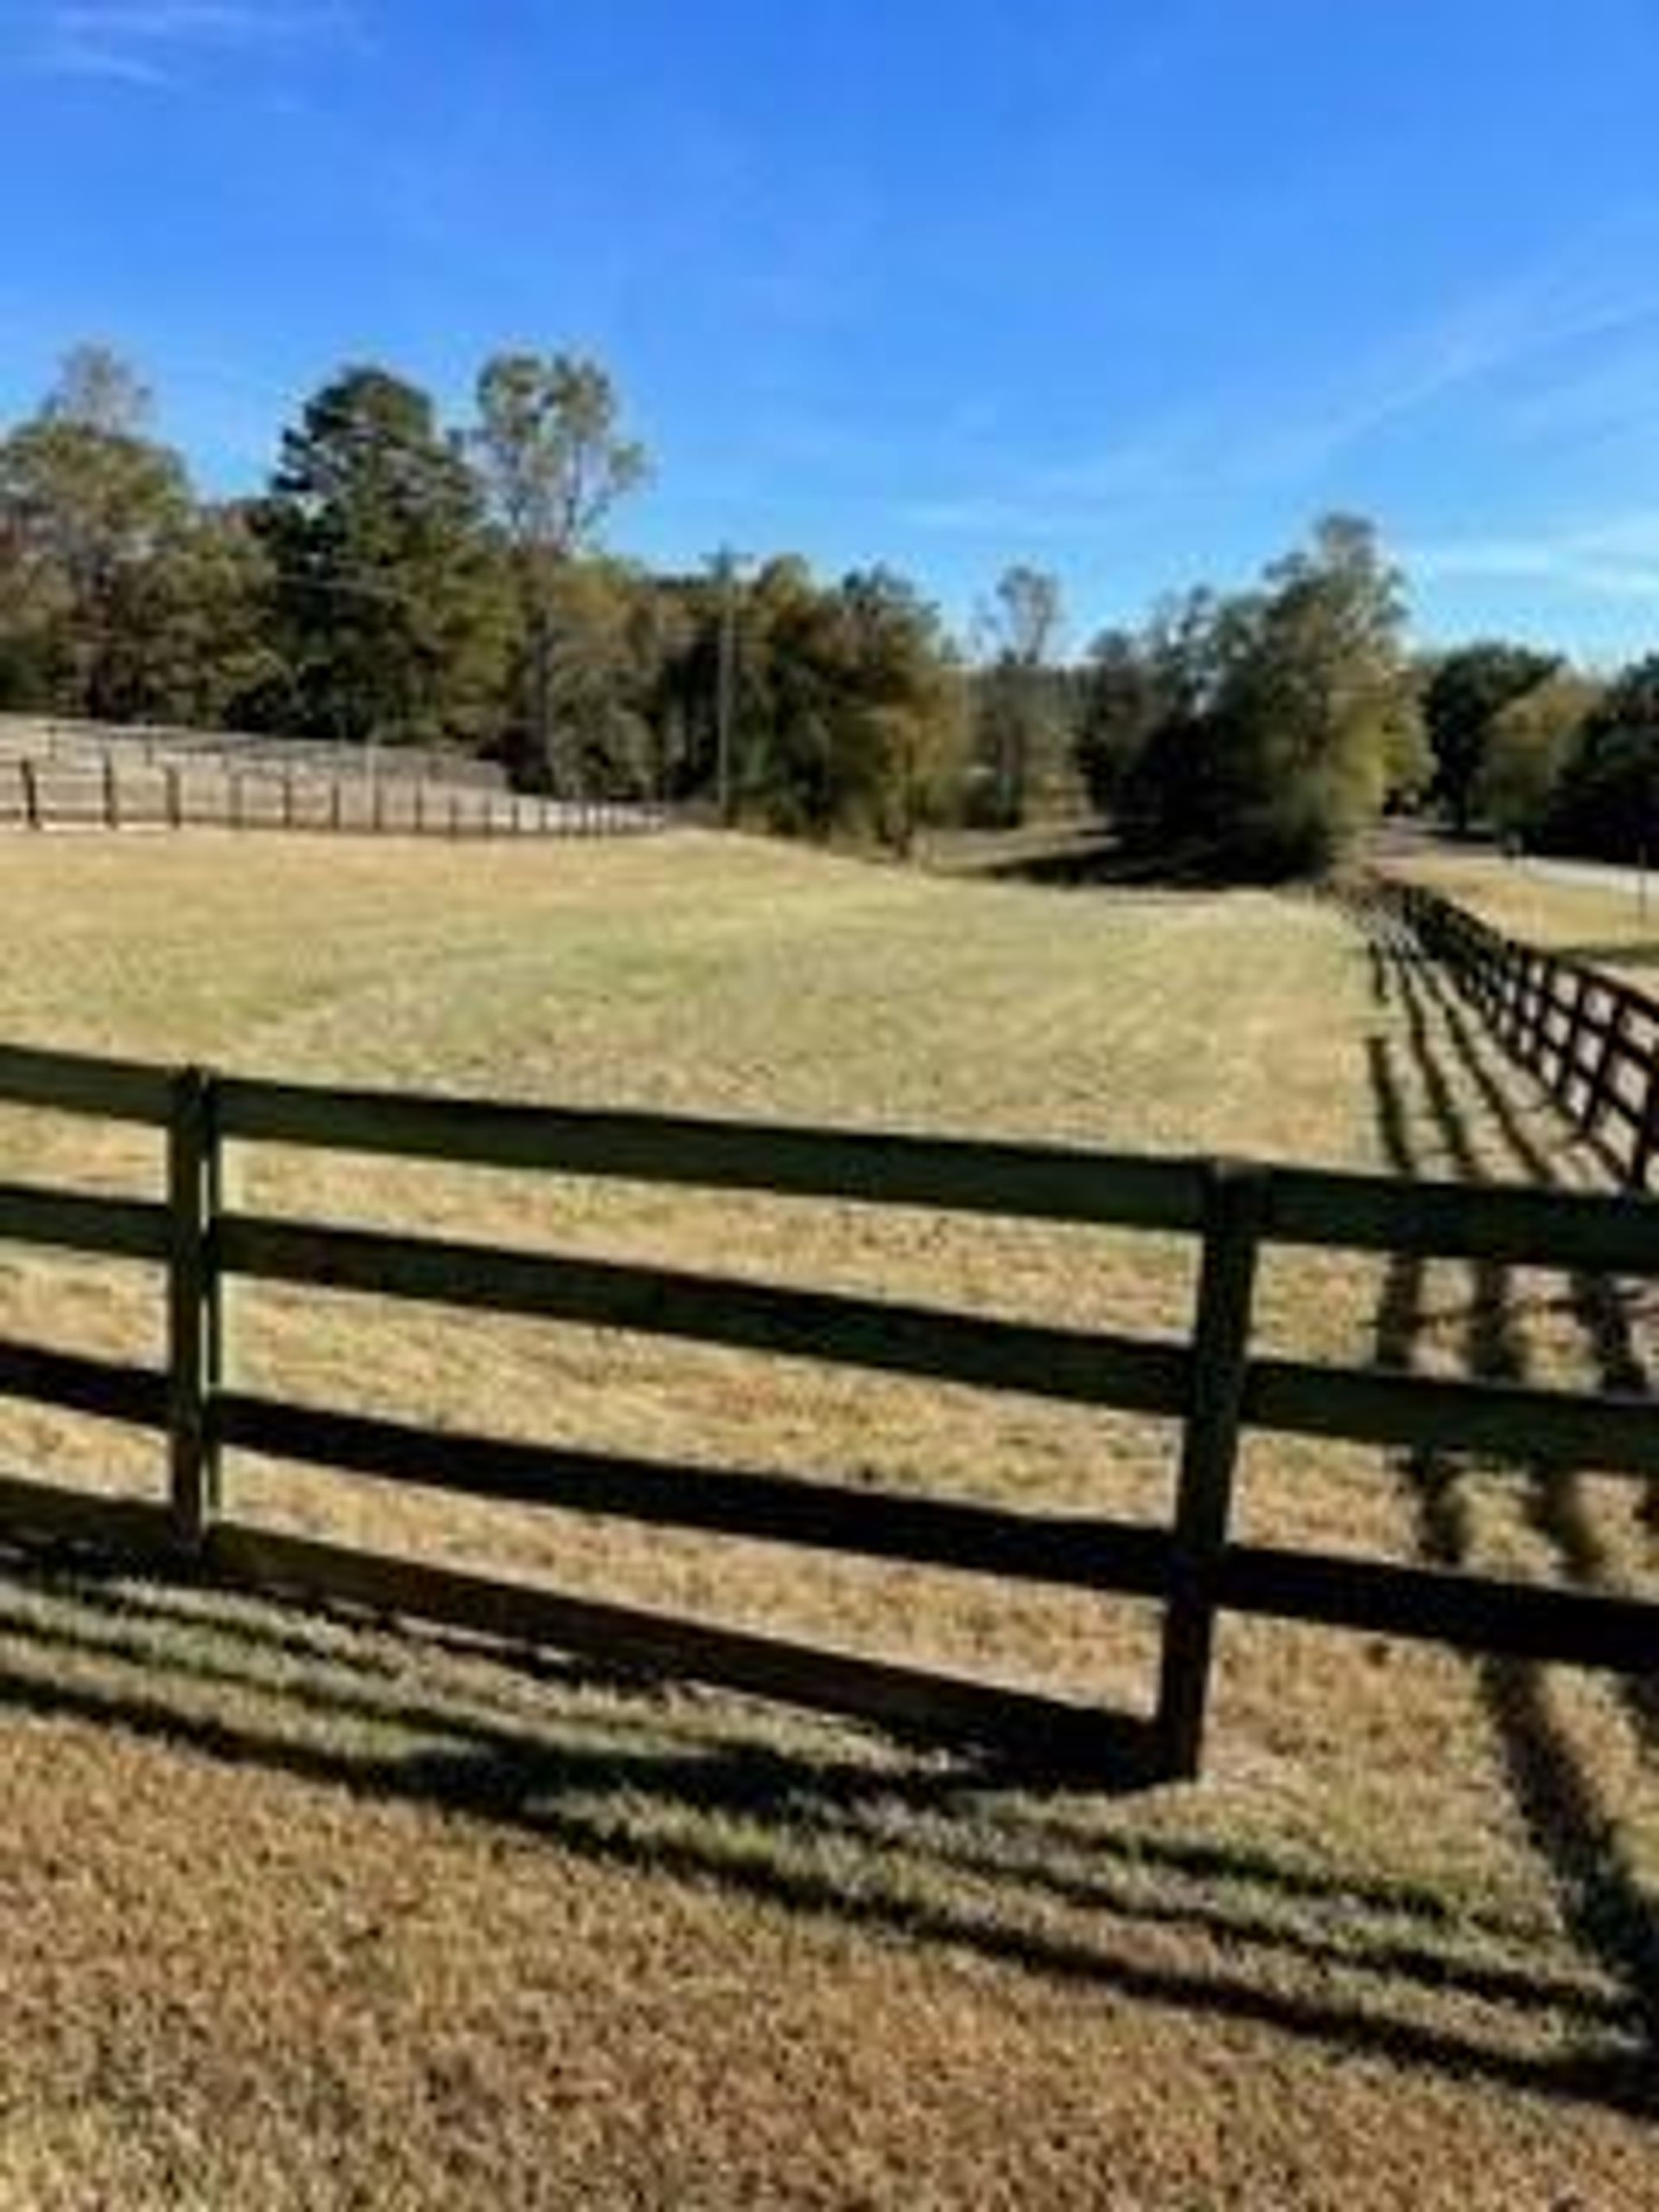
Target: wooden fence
73 742
1209 1387
1592 1040
123 793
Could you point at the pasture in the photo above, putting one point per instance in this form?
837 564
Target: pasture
303 1913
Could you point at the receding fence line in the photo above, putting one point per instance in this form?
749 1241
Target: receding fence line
1212 1387
222 793
1592 1040
68 741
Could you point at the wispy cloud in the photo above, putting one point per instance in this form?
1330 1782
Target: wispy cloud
153 43
1528 326
1616 557
1596 404
1516 347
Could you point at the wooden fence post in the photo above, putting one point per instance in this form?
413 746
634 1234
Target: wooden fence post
31 793
1548 1002
174 797
1553 1046
1520 1000
1514 987
222 1183
1532 1007
1234 1210
1494 980
189 1190
1519 1037
1603 1085
288 798
111 796
1577 1011
1509 996
333 802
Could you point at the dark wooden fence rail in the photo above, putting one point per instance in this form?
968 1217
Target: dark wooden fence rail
1592 1040
1212 1387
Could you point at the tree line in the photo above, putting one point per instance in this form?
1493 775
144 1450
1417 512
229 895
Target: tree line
1256 732
400 578
1546 755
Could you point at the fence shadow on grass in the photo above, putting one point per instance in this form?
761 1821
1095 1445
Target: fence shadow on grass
931 1851
1472 1117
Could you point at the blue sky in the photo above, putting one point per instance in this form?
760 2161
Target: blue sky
1130 289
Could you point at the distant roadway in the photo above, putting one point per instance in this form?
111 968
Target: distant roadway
1403 839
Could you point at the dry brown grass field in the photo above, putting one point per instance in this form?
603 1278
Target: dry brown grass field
298 1913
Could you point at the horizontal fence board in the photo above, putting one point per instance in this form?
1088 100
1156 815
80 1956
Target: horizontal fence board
1132 1374
71 1221
1379 1213
1045 1730
109 1389
136 1530
1511 1421
1074 1550
1437 1605
1034 1182
77 1083
1515 1222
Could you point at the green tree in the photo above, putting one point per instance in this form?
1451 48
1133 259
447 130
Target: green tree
214 662
91 511
899 731
1528 747
1024 741
662 631
850 706
1287 713
554 462
1466 689
1179 794
1605 800
608 693
786 675
98 389
389 598
1120 702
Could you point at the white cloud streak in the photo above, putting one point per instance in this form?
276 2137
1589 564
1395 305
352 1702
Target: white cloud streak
1530 333
1616 558
153 42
